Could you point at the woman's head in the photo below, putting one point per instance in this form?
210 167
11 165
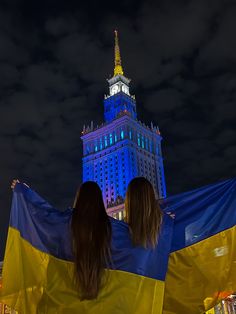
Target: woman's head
91 236
88 201
143 214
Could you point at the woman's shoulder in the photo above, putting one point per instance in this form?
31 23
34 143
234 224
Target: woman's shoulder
117 222
119 226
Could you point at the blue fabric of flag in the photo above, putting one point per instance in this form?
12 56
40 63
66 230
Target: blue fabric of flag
48 229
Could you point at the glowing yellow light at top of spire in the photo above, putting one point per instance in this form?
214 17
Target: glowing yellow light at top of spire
118 70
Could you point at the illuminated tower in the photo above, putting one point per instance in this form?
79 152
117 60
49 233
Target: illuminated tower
122 147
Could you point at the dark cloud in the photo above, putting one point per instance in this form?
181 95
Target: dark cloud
9 75
11 52
164 101
54 62
73 51
60 26
218 52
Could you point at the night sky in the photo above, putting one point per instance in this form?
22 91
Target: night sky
55 57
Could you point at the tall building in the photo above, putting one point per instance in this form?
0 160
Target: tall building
122 147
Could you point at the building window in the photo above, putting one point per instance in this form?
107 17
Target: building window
138 139
150 146
115 137
100 143
111 140
122 134
87 148
130 134
142 141
105 140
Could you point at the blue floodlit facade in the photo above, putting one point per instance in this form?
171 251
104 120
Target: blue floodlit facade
122 147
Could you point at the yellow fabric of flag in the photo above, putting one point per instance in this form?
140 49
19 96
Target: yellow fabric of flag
201 275
36 282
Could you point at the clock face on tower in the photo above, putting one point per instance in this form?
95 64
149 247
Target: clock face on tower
114 89
124 89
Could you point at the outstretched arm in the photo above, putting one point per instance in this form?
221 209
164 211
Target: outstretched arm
31 196
44 226
14 183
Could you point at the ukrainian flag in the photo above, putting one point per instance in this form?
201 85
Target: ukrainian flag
38 267
202 263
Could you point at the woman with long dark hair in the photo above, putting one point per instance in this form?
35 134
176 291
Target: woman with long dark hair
91 237
143 213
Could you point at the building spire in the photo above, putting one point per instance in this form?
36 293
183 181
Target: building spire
118 70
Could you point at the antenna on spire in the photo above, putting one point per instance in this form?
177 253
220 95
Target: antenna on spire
118 70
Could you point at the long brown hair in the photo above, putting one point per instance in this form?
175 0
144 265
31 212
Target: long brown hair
91 237
143 213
